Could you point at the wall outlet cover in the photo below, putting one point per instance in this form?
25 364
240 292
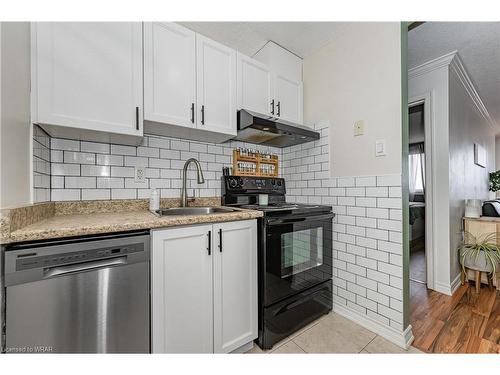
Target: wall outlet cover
140 174
359 128
380 147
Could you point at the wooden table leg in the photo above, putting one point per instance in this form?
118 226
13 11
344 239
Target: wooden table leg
490 280
478 281
464 276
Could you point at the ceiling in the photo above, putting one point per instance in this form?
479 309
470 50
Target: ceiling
477 43
301 38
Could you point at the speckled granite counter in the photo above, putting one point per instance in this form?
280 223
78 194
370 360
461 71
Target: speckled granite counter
86 218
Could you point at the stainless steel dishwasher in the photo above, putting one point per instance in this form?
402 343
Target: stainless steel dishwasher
86 295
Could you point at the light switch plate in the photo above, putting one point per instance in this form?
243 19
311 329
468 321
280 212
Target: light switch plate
140 174
359 128
380 147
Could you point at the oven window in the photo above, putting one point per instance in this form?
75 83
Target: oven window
301 250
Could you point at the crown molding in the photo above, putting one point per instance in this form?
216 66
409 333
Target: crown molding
431 65
458 67
453 61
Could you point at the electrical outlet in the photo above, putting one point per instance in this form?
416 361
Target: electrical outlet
140 174
359 128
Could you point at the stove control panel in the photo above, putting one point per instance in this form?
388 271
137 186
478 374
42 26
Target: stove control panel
254 184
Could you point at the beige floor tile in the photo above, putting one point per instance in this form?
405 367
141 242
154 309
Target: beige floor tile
255 350
334 334
381 345
289 348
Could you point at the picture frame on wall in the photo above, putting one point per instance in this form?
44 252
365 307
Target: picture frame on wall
479 155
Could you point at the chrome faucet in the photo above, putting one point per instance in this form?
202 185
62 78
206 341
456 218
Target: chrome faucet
201 179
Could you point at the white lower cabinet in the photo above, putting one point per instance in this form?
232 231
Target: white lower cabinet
204 287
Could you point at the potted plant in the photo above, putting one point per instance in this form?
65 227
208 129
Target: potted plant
480 254
495 181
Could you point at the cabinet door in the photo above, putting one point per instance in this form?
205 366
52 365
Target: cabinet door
235 285
216 86
254 85
89 75
181 290
288 96
169 74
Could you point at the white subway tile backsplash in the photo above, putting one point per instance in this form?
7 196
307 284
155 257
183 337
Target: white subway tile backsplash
64 144
78 157
122 171
123 150
116 160
96 194
65 194
110 183
65 169
79 182
102 148
389 180
96 170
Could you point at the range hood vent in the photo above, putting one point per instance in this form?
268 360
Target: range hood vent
262 129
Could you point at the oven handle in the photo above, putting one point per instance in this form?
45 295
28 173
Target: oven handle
289 220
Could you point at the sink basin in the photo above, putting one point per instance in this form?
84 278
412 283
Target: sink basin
194 211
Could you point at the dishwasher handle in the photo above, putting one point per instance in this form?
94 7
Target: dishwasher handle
82 267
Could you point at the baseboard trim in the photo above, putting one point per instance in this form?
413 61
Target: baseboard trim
455 284
401 339
448 289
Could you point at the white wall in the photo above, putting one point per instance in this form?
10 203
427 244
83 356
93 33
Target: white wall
357 76
467 180
15 114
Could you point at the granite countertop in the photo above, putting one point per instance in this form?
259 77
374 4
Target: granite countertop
87 222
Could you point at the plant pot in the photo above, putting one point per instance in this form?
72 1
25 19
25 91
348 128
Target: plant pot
479 263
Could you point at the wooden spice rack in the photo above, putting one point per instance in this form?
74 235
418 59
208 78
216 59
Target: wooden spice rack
258 160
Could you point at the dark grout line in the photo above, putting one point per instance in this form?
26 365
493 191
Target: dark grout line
368 343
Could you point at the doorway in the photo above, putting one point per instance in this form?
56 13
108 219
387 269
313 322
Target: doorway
417 201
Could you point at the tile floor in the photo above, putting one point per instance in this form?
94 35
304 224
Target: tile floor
334 334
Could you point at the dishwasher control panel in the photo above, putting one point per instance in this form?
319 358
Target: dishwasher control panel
36 260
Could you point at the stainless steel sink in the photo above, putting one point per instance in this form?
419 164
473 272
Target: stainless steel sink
194 211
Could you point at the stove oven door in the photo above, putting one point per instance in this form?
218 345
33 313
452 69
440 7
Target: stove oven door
298 254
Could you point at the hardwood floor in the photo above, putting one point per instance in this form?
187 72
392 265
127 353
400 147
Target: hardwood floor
466 322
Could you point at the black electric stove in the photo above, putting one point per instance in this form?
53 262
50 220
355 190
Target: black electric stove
295 256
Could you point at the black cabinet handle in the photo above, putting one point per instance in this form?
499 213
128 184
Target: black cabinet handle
192 113
203 115
137 118
220 240
209 248
279 109
272 107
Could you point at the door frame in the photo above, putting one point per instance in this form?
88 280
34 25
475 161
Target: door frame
430 223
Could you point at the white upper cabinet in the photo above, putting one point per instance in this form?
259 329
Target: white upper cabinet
88 76
216 86
169 74
189 84
255 85
288 98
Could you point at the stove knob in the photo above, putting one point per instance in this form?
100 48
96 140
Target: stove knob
273 182
240 182
279 182
233 183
